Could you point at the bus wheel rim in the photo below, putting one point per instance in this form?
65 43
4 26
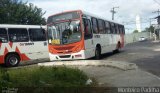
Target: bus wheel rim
13 60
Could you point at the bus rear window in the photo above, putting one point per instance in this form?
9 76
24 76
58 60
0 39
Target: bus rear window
64 16
3 35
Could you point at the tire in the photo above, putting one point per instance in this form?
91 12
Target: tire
116 51
12 60
98 53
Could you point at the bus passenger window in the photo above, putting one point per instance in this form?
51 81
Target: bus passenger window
112 28
87 29
117 29
120 29
107 27
95 25
18 35
123 29
3 35
37 34
101 26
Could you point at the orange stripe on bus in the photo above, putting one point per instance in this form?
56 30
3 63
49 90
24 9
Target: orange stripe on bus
23 56
1 59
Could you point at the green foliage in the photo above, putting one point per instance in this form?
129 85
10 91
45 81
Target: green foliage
135 31
18 12
43 77
150 29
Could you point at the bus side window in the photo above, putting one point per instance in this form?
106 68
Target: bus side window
120 31
117 28
107 27
37 34
112 28
87 29
123 29
95 25
3 35
101 26
103 23
18 35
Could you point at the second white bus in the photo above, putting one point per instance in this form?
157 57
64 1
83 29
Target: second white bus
20 43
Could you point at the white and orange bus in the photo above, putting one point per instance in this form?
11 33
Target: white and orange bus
81 35
22 43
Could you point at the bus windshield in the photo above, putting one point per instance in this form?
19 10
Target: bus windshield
64 33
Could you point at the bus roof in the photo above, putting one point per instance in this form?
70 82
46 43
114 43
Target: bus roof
88 14
93 15
20 26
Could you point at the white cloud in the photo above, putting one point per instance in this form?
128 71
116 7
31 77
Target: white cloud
126 12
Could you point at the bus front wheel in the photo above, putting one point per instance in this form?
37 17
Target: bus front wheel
97 53
12 60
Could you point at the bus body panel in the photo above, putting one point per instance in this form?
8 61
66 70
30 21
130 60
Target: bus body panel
89 48
27 51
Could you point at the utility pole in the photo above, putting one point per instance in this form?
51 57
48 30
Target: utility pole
158 11
113 12
150 24
155 36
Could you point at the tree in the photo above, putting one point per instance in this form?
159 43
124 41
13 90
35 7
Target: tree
135 31
150 29
18 12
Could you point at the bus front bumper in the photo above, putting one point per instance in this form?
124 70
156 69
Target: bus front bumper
71 56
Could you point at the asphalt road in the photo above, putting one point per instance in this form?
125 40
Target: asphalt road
145 54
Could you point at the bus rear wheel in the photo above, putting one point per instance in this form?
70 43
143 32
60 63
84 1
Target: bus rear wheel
12 60
97 53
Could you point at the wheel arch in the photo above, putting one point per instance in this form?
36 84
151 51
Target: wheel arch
99 46
118 45
9 53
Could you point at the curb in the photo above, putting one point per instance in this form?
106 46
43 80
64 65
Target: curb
115 64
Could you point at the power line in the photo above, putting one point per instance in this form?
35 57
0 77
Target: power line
158 11
132 23
135 23
157 2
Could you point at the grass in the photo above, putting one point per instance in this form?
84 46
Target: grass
42 77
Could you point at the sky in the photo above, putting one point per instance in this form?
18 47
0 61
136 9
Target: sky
126 13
